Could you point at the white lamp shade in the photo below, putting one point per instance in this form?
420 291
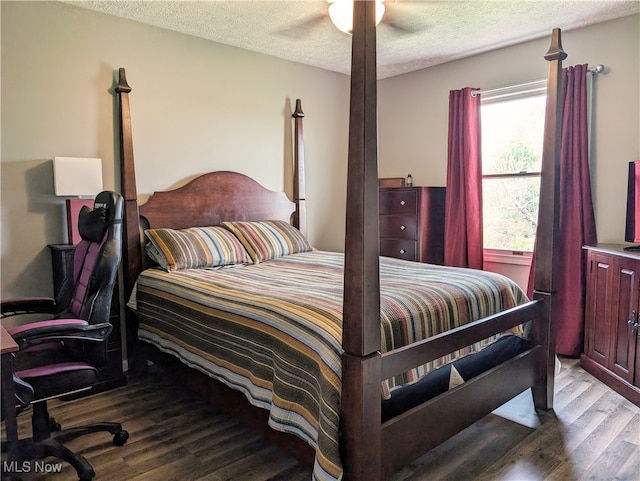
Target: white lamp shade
77 176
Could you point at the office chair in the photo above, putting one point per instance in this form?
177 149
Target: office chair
62 355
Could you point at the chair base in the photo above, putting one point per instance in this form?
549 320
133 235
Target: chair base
47 444
29 450
120 436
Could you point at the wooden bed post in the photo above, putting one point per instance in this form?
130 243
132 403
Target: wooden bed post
299 194
547 248
131 255
361 408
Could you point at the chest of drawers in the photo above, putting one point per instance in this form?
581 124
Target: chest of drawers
412 223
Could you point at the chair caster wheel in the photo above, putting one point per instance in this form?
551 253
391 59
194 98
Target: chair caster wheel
54 426
120 438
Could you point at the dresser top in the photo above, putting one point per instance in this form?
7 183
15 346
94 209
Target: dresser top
618 249
413 187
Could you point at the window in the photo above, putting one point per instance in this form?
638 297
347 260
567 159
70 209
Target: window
512 133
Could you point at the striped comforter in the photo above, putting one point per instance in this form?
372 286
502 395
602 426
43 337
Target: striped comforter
273 330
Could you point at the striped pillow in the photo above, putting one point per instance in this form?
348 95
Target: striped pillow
269 239
196 247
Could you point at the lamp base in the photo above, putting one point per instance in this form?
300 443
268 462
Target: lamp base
73 211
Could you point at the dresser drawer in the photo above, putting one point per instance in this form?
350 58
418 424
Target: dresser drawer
398 248
398 201
399 226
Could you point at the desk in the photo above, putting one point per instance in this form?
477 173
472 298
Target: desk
7 347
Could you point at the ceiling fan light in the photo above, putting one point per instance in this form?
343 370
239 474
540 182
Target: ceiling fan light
341 13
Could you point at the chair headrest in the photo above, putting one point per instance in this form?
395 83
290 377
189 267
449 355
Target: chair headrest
92 223
112 203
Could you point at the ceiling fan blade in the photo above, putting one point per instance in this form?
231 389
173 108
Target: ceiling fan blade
404 22
302 28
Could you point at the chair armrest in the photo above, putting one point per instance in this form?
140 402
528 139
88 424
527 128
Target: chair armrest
27 305
59 330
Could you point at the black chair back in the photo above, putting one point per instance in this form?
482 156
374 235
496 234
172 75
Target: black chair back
96 259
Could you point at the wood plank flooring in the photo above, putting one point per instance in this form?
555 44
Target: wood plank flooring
592 434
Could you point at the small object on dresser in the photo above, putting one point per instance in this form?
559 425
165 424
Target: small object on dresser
391 182
409 182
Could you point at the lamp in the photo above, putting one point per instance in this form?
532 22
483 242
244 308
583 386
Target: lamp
78 178
341 13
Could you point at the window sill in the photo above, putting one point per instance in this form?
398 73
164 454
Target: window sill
501 256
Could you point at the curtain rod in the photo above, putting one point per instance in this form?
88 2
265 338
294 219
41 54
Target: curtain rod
534 84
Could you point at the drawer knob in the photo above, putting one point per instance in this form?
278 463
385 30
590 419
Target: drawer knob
402 251
402 202
402 227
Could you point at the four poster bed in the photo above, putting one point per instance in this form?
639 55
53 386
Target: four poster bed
326 355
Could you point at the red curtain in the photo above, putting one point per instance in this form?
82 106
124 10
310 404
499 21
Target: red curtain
577 221
463 221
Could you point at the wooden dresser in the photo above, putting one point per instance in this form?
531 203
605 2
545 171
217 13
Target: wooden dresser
612 319
412 223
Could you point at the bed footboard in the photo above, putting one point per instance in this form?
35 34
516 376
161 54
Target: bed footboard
436 420
405 358
433 422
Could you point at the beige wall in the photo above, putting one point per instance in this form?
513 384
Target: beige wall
413 110
196 106
199 106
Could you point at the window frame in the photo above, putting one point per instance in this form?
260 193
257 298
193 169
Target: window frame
537 88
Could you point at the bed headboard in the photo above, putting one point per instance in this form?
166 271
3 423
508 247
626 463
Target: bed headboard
213 198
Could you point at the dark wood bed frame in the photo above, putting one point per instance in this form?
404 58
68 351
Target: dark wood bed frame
371 450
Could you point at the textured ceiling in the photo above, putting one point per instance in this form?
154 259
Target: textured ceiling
413 34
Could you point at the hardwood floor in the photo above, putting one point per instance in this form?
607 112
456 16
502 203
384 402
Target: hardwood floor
592 434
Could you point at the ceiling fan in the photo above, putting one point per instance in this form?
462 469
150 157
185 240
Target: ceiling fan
392 14
341 13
